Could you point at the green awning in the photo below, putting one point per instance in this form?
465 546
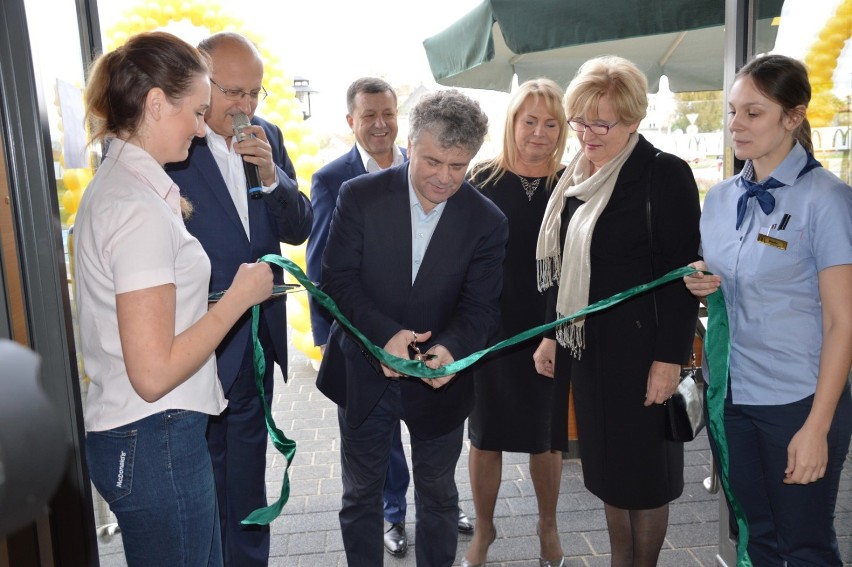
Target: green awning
682 39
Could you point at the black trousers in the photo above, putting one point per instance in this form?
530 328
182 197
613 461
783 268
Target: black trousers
364 454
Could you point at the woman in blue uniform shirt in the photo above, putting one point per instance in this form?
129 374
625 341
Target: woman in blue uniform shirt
778 239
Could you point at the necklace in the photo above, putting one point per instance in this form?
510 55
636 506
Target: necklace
529 186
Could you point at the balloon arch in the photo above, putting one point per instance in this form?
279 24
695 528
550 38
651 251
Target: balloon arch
821 61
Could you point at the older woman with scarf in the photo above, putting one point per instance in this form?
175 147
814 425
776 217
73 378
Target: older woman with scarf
622 214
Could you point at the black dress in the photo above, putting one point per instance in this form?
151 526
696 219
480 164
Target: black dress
627 462
511 411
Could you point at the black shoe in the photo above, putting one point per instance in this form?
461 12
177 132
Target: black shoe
465 525
396 542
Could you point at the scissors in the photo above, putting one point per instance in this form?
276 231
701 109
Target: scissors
417 354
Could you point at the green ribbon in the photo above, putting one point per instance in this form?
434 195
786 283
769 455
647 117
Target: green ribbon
417 368
717 347
286 447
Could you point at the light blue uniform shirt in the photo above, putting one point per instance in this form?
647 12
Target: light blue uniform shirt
772 295
422 227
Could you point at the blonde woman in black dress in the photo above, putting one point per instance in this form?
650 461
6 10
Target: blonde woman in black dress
513 401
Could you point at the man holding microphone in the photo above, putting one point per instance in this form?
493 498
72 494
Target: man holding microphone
235 226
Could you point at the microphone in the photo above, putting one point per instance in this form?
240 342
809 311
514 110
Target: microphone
255 188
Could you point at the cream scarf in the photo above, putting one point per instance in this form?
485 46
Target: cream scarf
571 272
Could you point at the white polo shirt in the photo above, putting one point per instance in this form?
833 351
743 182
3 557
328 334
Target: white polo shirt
129 235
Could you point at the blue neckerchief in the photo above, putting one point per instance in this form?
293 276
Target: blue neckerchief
761 190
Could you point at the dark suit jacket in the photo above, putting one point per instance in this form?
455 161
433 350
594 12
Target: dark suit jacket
367 271
325 186
283 215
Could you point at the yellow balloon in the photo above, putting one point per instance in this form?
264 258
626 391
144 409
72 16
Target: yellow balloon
306 344
307 164
76 179
196 14
821 59
314 353
304 128
136 21
837 25
70 202
291 129
297 256
310 144
294 150
292 252
273 117
299 319
834 42
212 20
276 85
295 115
300 297
153 9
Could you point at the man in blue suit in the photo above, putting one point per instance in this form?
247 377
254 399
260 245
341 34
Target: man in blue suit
234 228
371 106
414 257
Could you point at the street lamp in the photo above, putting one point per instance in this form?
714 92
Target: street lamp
303 93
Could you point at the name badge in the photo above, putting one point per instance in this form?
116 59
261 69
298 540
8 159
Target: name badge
772 241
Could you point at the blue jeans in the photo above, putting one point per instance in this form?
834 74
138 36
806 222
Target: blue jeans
156 476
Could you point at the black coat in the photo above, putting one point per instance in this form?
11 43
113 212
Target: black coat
626 460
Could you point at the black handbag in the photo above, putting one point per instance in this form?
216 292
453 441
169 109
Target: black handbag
685 409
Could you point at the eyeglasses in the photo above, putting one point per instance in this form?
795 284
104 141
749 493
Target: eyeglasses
239 94
599 129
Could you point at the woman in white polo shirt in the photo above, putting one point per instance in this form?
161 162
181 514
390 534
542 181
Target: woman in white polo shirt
778 239
147 335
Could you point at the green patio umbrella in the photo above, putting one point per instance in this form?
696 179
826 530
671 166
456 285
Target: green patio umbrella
682 39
